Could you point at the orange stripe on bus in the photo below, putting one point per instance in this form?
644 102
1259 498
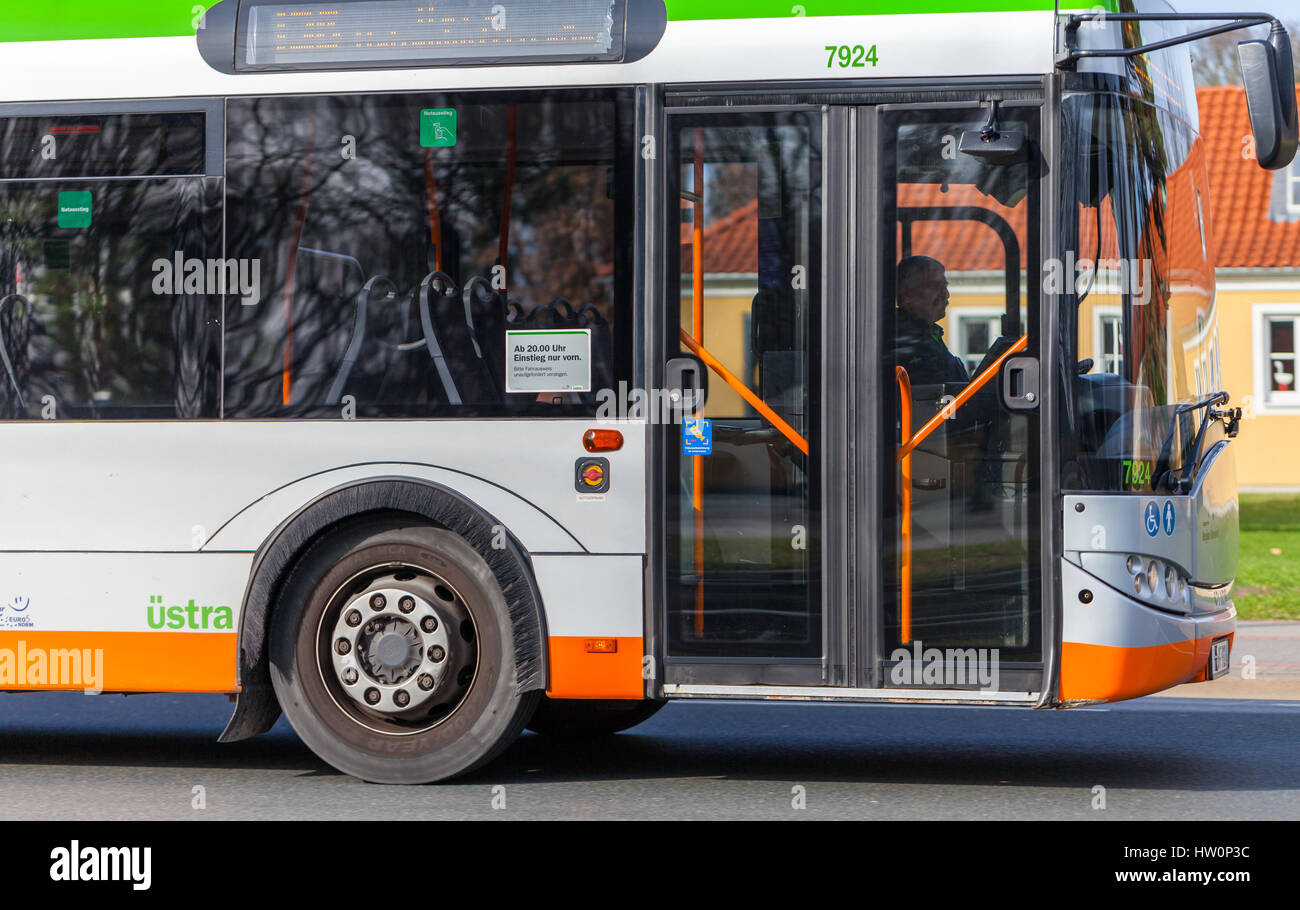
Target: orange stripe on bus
1106 673
125 661
578 672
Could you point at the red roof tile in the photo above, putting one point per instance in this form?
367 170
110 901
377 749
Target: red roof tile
1240 190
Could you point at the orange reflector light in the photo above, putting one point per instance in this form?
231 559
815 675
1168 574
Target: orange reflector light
602 441
602 645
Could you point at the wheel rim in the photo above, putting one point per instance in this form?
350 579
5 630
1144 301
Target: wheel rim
397 649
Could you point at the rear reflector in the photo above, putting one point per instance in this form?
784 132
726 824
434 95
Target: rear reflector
603 441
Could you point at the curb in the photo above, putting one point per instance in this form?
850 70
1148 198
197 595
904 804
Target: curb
1285 688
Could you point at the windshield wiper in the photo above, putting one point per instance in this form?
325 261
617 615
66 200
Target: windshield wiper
1158 477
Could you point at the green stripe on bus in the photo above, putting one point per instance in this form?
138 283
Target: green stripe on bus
69 20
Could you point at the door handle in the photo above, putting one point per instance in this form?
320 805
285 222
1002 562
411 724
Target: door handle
1020 386
687 380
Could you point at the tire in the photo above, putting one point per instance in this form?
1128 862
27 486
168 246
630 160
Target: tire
462 707
581 719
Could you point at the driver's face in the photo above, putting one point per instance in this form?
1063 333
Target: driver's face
927 298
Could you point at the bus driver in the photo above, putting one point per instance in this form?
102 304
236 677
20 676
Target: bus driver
922 302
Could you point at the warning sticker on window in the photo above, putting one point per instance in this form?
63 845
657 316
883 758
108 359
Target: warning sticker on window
438 128
548 361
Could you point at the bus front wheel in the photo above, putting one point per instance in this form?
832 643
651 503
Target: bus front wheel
392 654
578 718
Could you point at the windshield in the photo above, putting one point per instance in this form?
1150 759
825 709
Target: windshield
1136 289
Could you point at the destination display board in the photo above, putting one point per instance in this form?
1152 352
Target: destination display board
396 33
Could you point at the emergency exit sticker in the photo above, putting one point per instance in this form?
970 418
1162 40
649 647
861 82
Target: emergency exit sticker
556 360
438 128
75 209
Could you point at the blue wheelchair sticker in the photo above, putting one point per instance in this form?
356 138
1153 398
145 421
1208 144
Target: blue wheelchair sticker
697 436
1152 519
1169 518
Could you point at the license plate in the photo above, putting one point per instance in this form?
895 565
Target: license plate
1219 658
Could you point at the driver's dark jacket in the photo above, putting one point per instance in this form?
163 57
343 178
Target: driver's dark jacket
920 350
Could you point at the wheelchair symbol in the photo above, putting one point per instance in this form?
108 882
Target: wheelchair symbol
1152 519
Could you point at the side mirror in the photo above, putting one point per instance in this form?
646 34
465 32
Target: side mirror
1267 72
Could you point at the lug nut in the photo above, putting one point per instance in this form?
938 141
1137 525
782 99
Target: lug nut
342 646
372 696
436 654
353 618
402 698
350 677
426 681
406 604
429 624
378 602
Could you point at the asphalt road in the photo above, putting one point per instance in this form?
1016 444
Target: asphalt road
69 756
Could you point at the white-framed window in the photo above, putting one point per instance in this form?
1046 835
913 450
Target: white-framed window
973 331
1277 356
1107 339
1292 183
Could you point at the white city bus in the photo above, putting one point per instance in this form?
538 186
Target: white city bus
426 371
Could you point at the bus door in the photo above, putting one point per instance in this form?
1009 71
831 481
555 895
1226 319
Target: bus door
743 476
955 329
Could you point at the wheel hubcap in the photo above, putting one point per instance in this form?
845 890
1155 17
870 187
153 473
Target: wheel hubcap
391 652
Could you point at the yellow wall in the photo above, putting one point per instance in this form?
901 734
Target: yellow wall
1268 446
726 339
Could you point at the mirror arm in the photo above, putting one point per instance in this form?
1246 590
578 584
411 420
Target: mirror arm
1072 53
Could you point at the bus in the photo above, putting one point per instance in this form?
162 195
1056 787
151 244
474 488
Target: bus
427 372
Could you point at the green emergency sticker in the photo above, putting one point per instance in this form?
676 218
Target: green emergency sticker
75 210
438 128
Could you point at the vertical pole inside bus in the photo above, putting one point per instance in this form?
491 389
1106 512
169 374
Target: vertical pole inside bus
291 272
697 332
512 157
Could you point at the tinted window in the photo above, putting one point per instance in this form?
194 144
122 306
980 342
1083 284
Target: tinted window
399 238
87 327
102 145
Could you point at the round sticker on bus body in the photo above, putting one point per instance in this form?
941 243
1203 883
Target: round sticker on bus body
1152 519
1170 518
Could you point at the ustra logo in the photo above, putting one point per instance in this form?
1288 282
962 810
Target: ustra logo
191 616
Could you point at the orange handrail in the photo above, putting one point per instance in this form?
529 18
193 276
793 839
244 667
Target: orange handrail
697 327
744 392
905 531
953 406
291 268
